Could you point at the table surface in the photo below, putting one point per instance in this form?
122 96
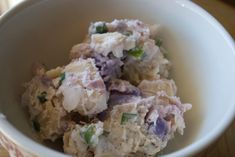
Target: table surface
224 146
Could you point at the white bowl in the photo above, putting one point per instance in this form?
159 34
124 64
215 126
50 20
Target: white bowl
202 53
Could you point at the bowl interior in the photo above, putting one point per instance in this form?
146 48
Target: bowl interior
201 56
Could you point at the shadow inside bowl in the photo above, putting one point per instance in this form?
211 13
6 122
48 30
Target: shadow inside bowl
187 89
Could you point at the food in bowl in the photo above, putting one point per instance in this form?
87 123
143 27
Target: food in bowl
114 98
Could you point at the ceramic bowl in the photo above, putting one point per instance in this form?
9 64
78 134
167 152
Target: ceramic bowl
201 51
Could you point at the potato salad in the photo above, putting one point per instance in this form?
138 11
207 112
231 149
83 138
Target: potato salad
113 99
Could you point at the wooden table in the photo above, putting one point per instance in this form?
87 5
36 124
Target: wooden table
224 146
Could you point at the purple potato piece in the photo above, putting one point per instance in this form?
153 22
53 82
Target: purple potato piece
122 91
109 67
102 115
116 98
124 87
160 128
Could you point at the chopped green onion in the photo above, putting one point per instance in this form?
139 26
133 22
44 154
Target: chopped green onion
62 77
136 52
127 117
42 97
87 135
158 42
36 125
102 29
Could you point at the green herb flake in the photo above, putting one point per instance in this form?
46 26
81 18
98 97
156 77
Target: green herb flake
42 97
36 125
102 29
136 52
62 78
127 117
87 135
158 42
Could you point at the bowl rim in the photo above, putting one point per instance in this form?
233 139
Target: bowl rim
33 147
